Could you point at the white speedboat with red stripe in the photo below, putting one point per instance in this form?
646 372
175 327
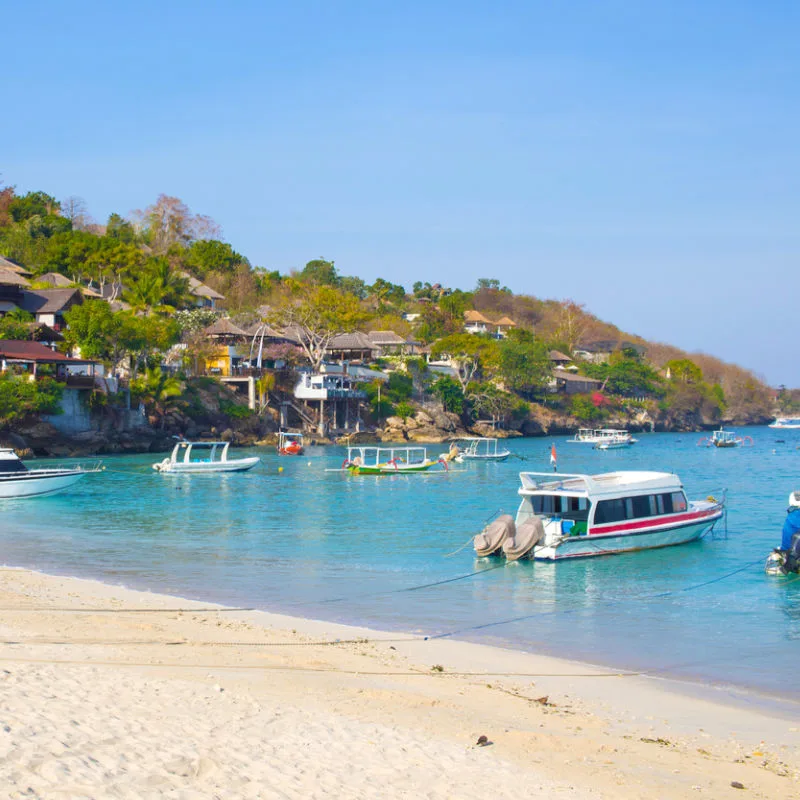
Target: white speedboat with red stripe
574 516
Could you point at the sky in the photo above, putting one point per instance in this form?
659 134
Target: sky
640 158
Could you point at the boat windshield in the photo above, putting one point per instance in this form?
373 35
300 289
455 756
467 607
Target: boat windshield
575 508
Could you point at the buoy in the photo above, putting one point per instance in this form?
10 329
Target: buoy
280 469
309 463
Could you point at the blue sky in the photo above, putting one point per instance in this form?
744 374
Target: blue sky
640 158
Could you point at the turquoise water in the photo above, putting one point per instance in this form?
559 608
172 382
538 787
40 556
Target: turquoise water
334 546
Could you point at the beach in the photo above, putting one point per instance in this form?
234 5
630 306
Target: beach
109 692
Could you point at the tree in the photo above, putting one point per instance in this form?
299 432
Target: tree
524 362
684 370
120 229
316 315
572 324
211 255
449 391
169 221
320 272
21 397
158 391
33 204
157 287
387 292
15 324
77 212
470 355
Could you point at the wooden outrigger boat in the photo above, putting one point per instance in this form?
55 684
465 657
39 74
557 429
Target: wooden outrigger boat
389 460
723 438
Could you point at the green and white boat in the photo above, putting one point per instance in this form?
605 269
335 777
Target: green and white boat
389 460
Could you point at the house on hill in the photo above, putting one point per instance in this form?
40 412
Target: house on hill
49 305
29 357
599 352
205 296
476 322
388 343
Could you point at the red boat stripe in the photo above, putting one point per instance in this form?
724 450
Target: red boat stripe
653 522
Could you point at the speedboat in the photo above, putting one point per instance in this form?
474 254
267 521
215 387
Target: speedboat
16 480
290 444
614 437
389 460
786 422
478 448
573 516
181 461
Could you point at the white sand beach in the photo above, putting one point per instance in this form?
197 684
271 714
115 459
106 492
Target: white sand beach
111 693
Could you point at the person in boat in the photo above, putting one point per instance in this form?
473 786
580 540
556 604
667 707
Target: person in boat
454 452
790 537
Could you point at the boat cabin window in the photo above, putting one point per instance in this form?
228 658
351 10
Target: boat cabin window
576 508
652 505
9 465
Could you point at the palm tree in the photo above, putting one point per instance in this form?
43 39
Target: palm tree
159 391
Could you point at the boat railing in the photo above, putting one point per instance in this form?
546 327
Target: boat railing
80 466
371 456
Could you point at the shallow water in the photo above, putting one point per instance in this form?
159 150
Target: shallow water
328 545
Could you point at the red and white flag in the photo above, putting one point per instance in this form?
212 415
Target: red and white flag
553 457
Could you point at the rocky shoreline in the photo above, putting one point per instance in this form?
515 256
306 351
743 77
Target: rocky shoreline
43 439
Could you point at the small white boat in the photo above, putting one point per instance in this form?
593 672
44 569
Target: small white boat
573 516
787 423
614 437
181 460
478 448
16 480
389 460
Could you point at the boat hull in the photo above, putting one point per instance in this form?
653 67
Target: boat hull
609 544
202 468
498 457
390 469
37 483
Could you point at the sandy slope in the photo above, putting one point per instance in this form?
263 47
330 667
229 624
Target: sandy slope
218 703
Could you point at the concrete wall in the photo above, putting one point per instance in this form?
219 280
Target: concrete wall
78 419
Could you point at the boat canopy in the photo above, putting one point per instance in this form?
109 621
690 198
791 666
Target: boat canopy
372 456
594 486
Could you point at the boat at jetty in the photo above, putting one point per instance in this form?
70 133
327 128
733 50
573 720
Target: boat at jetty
389 460
574 516
181 461
17 481
290 444
478 448
612 437
723 438
786 422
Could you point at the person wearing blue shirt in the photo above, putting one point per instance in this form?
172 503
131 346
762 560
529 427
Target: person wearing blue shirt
792 523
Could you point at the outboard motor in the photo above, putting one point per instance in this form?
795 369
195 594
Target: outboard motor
528 535
782 562
793 555
491 538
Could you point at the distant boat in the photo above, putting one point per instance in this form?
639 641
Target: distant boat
181 461
723 438
573 516
786 422
615 436
290 444
389 460
478 448
17 481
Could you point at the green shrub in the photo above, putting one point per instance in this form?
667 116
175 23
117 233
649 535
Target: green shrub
234 410
404 410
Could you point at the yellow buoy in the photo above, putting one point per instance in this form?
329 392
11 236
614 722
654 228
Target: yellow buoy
280 469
